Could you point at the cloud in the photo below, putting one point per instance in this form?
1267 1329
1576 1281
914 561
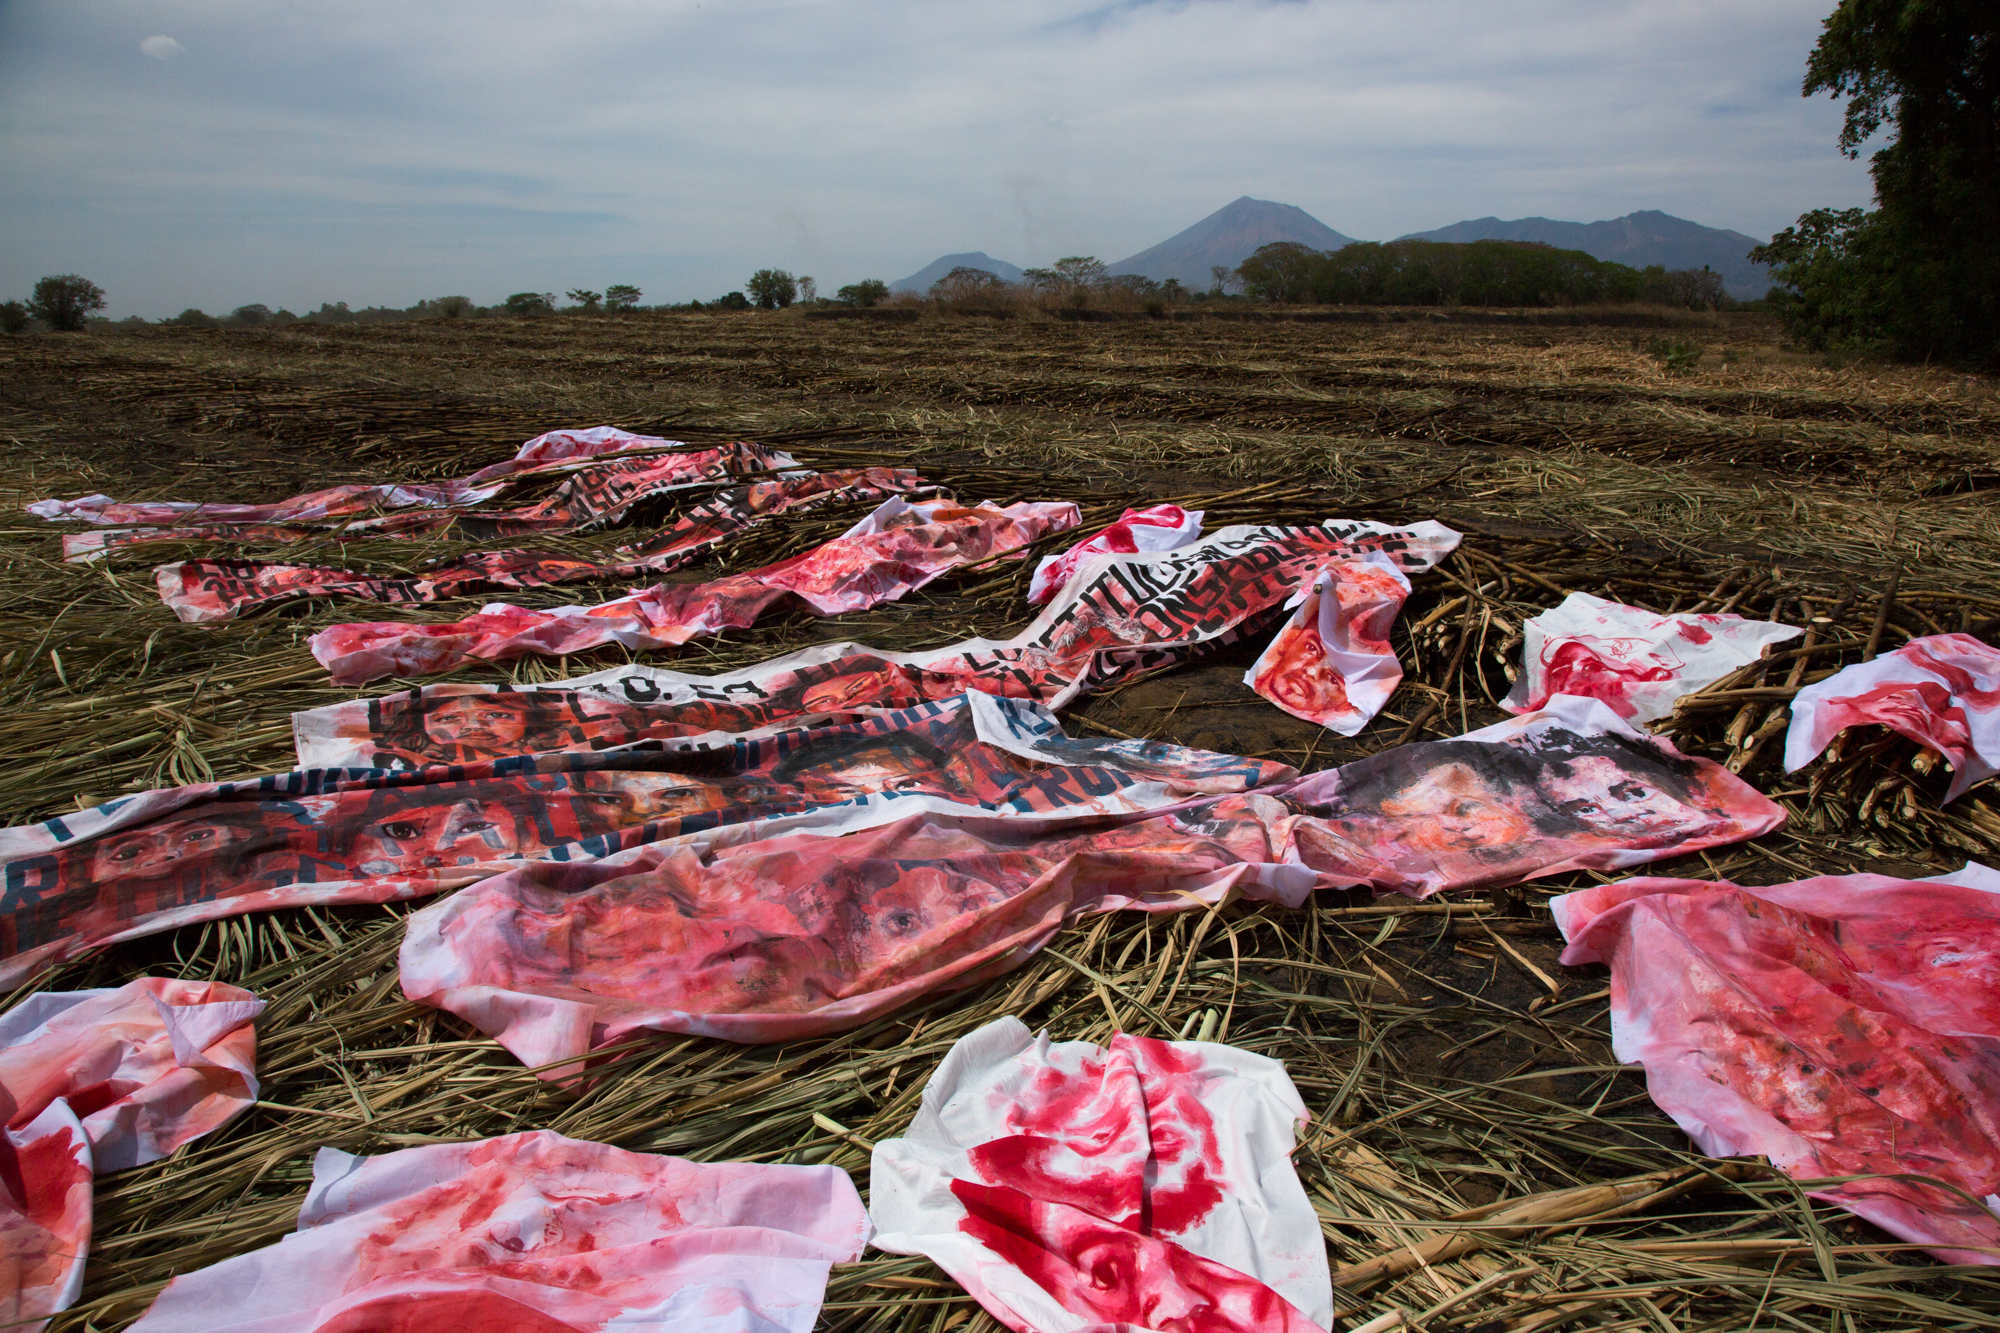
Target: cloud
379 151
161 47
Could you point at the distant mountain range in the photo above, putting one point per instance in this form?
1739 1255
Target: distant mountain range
1638 239
921 280
1232 234
1229 236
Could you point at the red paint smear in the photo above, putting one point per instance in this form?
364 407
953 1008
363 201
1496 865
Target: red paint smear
1093 1140
1574 669
1920 653
1107 1273
1921 710
447 1312
1296 676
45 1216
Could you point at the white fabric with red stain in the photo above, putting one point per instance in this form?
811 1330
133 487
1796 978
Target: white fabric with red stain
1331 663
898 549
1147 1185
45 1216
1155 528
535 1233
1842 1026
1635 660
1942 691
98 1081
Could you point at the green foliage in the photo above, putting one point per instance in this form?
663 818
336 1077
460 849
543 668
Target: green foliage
335 313
1677 356
13 317
867 292
1920 276
772 288
1440 273
621 296
250 316
192 318
731 301
452 307
588 300
529 303
63 301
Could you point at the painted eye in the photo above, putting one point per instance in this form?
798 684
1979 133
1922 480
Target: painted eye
478 825
401 831
198 835
126 854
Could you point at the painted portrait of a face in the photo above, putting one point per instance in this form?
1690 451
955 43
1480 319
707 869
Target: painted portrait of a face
883 687
1452 808
482 724
170 848
461 833
1297 678
1607 799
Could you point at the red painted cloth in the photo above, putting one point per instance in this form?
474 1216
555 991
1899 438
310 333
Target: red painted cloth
1842 1026
163 859
97 1081
1157 528
1942 691
898 549
1637 661
212 590
766 934
1125 614
535 1233
1331 663
1147 1185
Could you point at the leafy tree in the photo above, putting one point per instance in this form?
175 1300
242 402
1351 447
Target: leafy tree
772 288
63 301
1919 276
329 314
731 301
588 300
192 318
451 307
1280 271
1172 292
13 317
530 303
620 296
808 289
867 292
966 288
250 316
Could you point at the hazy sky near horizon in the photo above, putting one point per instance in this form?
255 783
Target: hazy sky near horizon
214 153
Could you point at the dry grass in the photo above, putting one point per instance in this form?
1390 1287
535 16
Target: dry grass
1455 1097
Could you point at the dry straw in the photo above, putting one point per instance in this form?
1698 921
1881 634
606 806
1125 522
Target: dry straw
1479 1160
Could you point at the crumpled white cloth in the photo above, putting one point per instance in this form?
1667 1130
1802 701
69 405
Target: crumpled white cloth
1155 528
1331 663
535 1233
1145 1185
1942 691
97 1081
1637 661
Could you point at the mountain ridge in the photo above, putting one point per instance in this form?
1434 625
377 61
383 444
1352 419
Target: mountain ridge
1228 236
1648 236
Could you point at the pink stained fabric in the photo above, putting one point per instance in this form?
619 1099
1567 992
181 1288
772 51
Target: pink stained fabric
764 934
1331 663
214 590
1144 1185
900 548
1844 1025
45 1216
95 1082
1942 691
1637 661
1162 527
535 1233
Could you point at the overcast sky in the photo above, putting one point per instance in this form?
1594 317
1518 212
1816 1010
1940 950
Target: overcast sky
219 152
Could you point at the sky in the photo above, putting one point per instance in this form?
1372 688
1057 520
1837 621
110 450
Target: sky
215 153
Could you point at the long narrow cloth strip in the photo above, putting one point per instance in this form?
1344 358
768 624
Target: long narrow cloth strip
898 549
1147 1184
212 590
1847 1025
535 1233
169 858
766 934
1118 615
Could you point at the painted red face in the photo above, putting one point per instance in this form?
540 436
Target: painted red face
1452 809
864 689
466 833
159 850
1297 677
477 722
